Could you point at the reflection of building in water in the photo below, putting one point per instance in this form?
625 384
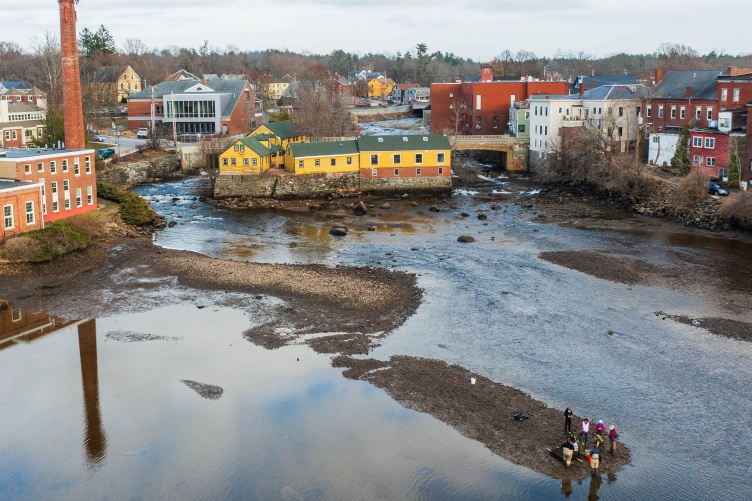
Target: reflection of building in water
17 326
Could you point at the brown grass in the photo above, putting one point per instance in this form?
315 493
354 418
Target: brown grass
739 209
692 189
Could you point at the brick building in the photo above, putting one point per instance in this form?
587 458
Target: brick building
20 208
734 90
20 124
67 176
680 98
484 105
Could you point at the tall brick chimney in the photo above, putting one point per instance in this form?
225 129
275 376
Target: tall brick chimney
658 75
73 115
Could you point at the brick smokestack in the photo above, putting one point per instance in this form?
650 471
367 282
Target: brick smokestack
72 110
658 75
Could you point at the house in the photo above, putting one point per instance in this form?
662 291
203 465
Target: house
519 119
399 90
380 87
716 150
483 106
249 155
662 147
343 89
128 83
614 110
404 162
282 134
277 87
67 176
22 92
21 123
734 90
418 95
680 98
593 81
323 157
20 206
225 107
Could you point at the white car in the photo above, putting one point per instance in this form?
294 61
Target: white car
143 133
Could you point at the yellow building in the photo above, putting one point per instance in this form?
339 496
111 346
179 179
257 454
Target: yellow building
248 156
128 83
322 158
281 134
380 88
278 87
408 156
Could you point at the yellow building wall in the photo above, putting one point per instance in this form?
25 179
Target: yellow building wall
386 158
128 77
325 166
279 160
262 163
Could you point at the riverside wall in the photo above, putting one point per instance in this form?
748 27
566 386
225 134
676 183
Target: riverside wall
320 185
141 172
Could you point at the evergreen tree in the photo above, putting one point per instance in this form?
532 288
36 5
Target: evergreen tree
680 160
54 128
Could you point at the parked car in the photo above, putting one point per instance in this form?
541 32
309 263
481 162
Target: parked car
98 139
717 189
105 153
143 133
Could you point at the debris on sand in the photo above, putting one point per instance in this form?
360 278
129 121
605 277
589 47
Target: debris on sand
733 329
136 337
208 391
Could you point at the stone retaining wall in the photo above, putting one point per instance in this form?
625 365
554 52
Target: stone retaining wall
140 172
320 185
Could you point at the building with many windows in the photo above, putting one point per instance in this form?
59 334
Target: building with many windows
21 123
20 207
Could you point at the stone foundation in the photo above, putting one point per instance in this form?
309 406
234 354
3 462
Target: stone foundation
140 172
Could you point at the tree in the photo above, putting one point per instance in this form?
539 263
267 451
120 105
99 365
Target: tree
680 161
54 124
735 160
89 43
455 122
47 54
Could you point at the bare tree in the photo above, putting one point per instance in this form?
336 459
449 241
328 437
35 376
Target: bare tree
47 55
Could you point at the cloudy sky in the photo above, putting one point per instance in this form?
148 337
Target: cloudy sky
479 29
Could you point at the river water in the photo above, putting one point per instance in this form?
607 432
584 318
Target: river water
89 416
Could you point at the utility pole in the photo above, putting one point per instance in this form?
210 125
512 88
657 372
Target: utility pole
152 112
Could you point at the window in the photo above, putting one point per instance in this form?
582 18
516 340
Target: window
233 161
495 122
373 172
477 102
560 110
698 112
245 162
374 160
440 158
55 207
317 162
673 112
53 167
396 172
441 170
349 160
89 195
242 148
40 167
697 160
546 131
536 111
236 147
660 111
65 165
254 161
710 142
397 159
621 111
521 128
66 186
27 168
724 94
477 122
417 171
29 212
710 161
697 142
419 158
655 139
54 186
8 216
649 111
736 96
621 132
710 113
76 166
333 162
67 203
301 164
78 197
224 162
682 112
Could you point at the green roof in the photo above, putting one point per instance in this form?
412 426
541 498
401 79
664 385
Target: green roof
263 137
405 142
324 149
259 148
284 129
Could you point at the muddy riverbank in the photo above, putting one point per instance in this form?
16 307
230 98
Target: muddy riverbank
482 411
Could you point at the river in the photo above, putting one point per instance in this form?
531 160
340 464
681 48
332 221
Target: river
115 421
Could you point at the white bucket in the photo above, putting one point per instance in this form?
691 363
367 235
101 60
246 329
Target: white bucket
472 380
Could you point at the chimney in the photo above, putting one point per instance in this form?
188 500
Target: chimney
582 88
242 72
689 91
229 72
592 73
658 75
72 110
486 73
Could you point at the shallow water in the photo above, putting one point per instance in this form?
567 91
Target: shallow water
88 416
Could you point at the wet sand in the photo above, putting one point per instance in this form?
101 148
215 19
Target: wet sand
482 411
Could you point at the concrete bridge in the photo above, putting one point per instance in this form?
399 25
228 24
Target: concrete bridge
513 150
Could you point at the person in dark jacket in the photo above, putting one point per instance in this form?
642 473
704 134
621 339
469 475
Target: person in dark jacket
567 449
568 420
595 461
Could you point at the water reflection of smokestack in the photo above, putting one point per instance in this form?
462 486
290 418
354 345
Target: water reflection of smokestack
95 440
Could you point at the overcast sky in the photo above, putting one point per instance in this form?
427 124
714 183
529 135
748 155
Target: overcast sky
479 29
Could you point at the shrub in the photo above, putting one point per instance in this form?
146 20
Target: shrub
692 189
739 210
22 248
134 209
54 240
